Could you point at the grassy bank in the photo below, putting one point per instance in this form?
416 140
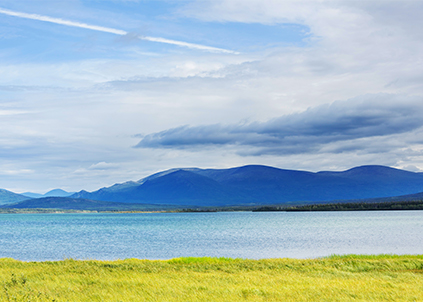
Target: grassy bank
337 278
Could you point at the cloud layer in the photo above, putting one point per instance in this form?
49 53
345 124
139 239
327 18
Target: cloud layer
306 132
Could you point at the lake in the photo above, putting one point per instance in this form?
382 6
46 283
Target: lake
39 237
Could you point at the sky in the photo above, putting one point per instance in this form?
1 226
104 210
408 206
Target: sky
98 92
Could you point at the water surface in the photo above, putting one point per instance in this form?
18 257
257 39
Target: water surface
40 237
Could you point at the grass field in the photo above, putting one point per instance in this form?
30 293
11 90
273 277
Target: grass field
336 278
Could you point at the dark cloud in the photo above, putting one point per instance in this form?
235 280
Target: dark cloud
352 121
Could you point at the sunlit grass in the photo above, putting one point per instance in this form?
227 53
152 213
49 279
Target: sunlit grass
335 278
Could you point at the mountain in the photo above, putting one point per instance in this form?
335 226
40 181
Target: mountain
67 203
7 197
256 184
52 193
58 193
291 185
32 195
179 187
400 198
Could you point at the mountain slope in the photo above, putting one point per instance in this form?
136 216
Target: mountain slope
52 193
178 187
57 193
187 188
278 185
380 181
256 184
67 203
7 197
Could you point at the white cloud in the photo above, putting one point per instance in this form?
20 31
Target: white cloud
103 166
17 172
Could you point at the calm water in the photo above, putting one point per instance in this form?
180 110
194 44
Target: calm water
244 235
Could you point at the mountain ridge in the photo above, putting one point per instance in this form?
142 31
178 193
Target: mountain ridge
258 184
245 186
51 193
8 197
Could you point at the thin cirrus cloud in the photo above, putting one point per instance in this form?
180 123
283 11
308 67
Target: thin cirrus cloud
370 116
113 31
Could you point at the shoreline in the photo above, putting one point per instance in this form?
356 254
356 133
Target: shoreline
301 207
189 259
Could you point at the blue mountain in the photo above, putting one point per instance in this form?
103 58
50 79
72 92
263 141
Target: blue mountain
32 195
58 193
52 193
7 197
255 185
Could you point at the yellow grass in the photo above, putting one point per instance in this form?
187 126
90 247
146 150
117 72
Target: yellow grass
337 278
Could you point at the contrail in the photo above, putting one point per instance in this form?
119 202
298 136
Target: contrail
112 31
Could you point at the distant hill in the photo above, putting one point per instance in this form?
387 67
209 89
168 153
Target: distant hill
66 203
258 185
58 193
400 198
32 195
55 193
7 197
179 187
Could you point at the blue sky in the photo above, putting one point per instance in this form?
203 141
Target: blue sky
109 91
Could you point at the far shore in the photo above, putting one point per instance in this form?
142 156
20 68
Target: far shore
305 207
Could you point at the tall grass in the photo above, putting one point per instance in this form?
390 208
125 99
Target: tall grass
335 278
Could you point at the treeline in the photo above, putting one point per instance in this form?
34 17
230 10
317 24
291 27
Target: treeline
350 206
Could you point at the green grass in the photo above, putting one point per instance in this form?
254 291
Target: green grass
335 278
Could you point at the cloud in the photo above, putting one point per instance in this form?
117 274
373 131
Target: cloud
62 22
351 121
17 172
112 31
189 45
11 112
103 166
